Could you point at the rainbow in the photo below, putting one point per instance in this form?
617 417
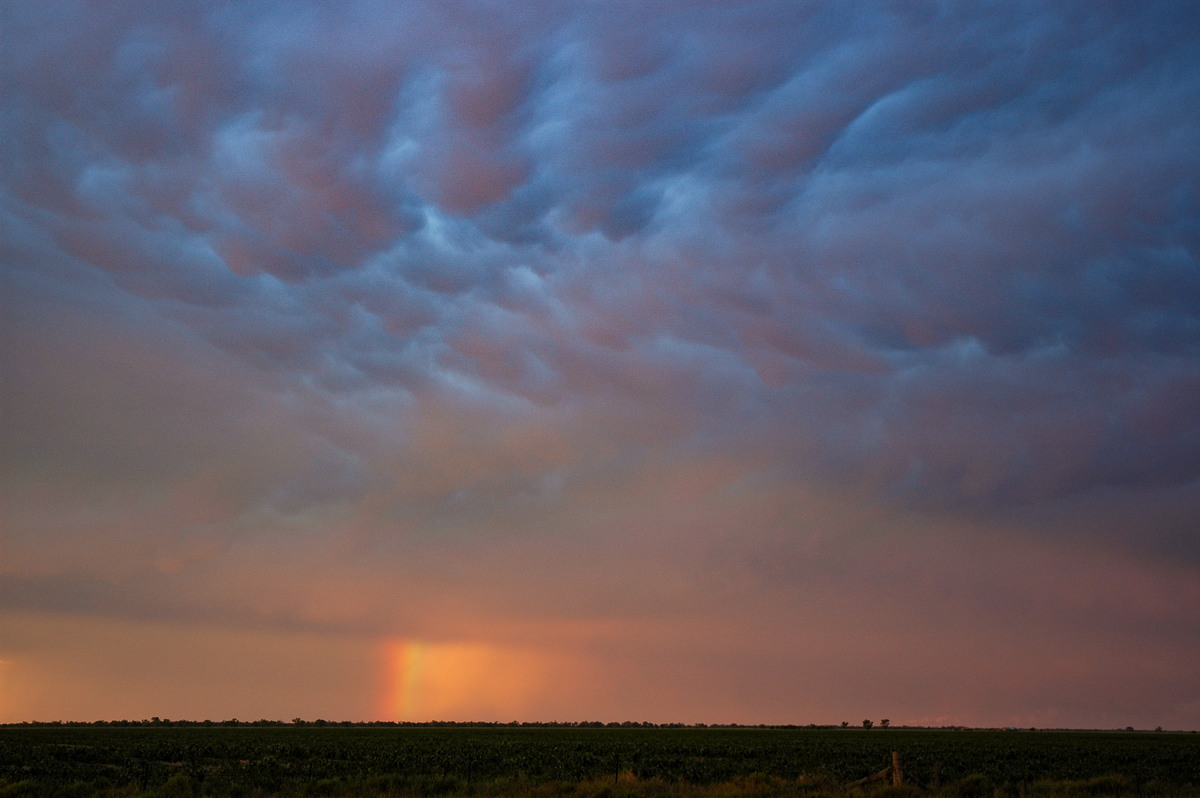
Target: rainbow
405 666
460 680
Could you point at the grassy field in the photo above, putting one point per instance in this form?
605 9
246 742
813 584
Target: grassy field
497 761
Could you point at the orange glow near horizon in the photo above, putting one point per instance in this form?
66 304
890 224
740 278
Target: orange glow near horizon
461 681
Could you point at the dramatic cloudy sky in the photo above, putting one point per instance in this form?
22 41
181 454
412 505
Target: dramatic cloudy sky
781 362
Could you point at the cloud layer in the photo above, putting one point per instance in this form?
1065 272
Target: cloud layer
732 336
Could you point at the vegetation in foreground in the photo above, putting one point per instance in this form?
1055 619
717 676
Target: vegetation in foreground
499 761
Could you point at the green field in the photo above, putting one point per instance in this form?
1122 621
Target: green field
494 761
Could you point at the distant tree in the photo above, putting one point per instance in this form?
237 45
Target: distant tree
867 724
884 723
845 723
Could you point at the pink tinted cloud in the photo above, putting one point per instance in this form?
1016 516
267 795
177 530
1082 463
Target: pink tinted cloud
465 179
720 381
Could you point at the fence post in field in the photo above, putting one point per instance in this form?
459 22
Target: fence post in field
897 773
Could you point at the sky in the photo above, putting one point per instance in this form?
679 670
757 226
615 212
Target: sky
792 361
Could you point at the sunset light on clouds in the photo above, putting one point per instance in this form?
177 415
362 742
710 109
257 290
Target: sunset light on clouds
770 362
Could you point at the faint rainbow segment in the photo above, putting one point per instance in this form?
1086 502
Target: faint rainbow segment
405 668
465 681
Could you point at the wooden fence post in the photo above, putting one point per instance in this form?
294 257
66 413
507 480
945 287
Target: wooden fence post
897 773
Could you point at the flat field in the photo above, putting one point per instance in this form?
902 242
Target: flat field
494 761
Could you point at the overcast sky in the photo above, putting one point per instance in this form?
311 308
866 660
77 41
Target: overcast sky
759 362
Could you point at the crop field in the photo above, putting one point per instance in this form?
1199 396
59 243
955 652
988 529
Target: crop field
495 761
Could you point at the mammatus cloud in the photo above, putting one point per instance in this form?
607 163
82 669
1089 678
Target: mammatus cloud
725 343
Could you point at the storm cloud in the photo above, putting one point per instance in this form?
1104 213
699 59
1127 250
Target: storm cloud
736 333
